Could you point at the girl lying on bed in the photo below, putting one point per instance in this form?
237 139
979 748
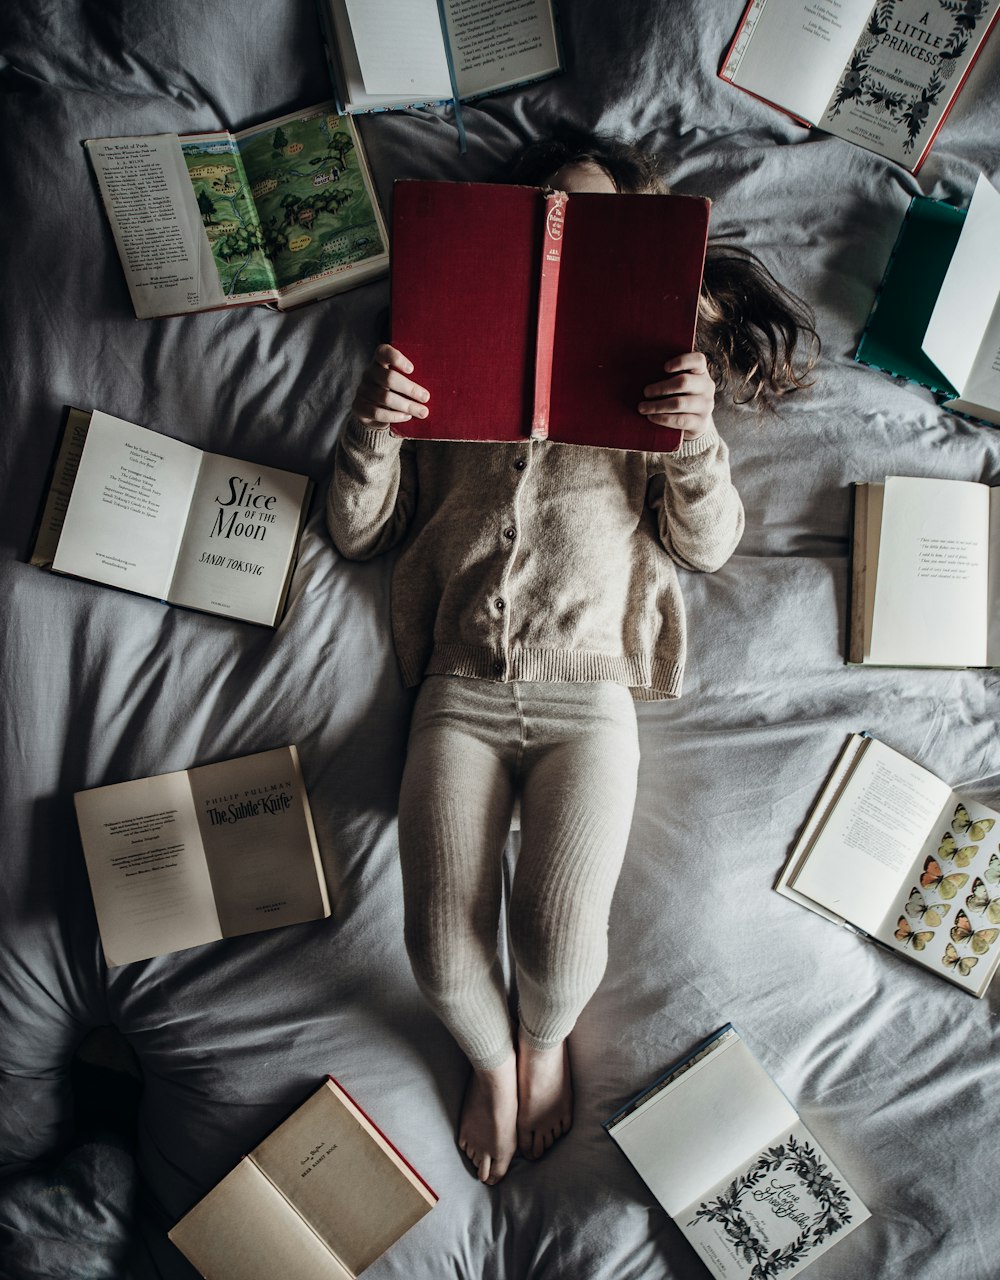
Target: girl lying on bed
528 664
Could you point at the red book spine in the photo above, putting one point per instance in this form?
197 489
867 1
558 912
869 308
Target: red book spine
548 293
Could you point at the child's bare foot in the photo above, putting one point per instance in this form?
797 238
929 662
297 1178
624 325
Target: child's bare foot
544 1098
487 1131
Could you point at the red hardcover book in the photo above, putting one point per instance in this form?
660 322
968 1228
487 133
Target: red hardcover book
532 314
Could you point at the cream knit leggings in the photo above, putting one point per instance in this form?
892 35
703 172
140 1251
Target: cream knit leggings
571 751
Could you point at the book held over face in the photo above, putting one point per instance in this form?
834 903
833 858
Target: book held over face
202 854
925 552
882 75
936 318
890 851
281 213
320 1199
726 1155
534 314
131 508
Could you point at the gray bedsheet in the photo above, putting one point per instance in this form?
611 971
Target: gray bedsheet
895 1072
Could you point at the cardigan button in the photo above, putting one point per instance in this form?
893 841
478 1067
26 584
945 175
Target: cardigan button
510 534
498 668
500 605
520 464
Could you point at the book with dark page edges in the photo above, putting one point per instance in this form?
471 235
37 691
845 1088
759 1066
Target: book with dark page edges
492 284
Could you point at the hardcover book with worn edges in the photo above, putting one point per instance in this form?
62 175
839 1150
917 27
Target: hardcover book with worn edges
490 283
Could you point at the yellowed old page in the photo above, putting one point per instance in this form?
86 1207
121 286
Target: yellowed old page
930 605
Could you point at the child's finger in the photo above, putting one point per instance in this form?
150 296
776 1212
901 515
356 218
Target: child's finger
688 403
691 361
682 383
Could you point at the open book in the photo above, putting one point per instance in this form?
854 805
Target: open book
882 75
131 508
724 1152
892 852
400 53
281 213
202 854
925 574
320 1199
532 314
936 318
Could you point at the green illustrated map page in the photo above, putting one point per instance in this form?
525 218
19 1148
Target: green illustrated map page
314 211
227 211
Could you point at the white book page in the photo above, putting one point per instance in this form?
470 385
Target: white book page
964 329
156 224
993 605
872 836
773 1204
400 47
125 519
147 867
792 52
933 567
981 393
716 1115
240 540
876 496
498 43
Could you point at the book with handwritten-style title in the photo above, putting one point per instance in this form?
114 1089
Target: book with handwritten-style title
725 1153
320 1199
131 508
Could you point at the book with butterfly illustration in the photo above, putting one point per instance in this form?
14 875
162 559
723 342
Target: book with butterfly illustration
890 851
725 1153
923 550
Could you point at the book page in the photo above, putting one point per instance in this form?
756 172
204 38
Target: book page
343 1179
963 335
899 80
499 43
147 867
873 536
259 842
933 571
246 1228
781 1209
713 1115
125 519
400 48
240 541
156 224
872 836
790 52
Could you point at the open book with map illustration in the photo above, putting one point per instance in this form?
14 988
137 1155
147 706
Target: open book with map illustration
725 1153
282 213
893 853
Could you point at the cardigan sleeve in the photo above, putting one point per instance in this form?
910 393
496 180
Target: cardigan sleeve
372 493
698 511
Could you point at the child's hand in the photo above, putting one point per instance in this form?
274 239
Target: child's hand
386 394
685 399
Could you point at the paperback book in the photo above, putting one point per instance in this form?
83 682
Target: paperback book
890 851
213 852
924 550
387 54
131 508
320 1199
936 318
882 75
726 1155
281 213
500 299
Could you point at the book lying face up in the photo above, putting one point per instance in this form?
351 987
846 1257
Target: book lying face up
725 1153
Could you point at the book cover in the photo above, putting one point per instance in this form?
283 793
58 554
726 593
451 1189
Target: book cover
726 1155
473 276
321 1198
206 853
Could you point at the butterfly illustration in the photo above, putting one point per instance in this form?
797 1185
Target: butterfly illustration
980 939
931 913
961 855
906 935
980 902
952 960
992 873
974 830
933 877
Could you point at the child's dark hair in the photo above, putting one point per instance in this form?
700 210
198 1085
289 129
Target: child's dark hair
759 338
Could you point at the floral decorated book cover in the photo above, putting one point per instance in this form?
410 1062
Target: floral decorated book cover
726 1155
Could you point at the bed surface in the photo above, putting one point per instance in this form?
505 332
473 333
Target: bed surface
895 1073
